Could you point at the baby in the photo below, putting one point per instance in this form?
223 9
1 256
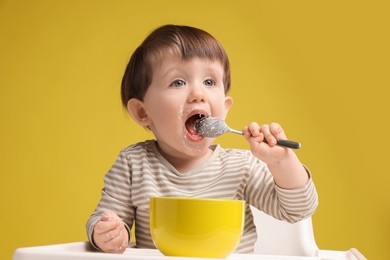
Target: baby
177 75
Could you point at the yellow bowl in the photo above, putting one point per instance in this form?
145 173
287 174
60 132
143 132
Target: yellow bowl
195 227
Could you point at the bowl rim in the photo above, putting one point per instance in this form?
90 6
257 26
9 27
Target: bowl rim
196 199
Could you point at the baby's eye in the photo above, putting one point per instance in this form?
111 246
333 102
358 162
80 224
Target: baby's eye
178 83
209 82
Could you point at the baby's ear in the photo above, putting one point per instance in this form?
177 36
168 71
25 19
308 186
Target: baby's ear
228 103
137 111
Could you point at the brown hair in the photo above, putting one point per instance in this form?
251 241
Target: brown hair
185 41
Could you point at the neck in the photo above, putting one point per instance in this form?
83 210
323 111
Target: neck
184 163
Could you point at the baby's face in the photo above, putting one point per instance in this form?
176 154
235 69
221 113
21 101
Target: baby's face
180 91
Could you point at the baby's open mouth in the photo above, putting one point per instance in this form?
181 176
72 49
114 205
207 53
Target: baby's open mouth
191 123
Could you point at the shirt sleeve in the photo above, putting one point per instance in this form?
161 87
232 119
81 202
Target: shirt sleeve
116 196
291 205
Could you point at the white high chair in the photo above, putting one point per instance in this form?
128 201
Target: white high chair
276 240
276 237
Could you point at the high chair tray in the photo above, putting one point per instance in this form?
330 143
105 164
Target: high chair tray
83 251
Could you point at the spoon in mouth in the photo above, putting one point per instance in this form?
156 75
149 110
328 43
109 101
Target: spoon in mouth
214 127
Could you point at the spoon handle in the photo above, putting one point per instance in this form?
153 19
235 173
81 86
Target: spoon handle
288 144
235 131
284 143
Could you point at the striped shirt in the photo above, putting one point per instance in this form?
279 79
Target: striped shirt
141 172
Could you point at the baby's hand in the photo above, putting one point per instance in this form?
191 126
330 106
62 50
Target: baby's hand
268 152
110 234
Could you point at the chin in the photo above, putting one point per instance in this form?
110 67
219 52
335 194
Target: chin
196 147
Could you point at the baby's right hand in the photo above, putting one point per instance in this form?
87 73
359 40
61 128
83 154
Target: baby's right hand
110 234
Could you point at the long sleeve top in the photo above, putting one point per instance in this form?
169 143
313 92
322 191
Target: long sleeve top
141 172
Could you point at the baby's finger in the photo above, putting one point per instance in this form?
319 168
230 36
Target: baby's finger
117 244
252 133
277 131
112 234
246 132
106 226
254 129
102 238
265 129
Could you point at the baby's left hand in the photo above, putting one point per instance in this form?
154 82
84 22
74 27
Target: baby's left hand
268 152
110 234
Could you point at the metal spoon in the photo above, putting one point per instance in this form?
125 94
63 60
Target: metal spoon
214 127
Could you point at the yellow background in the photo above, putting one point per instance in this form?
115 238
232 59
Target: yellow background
319 68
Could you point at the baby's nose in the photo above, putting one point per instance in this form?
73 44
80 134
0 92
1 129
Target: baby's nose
197 94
